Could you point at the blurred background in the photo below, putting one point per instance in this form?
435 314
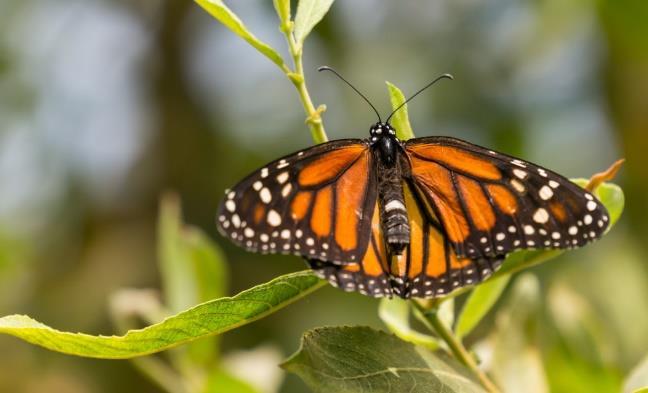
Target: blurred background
104 105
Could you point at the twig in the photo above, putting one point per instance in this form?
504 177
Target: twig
313 115
454 344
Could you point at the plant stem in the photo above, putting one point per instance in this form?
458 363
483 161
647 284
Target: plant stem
313 115
455 345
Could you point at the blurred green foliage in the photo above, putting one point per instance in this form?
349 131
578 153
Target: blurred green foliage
91 135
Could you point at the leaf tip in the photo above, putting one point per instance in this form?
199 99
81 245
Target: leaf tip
598 178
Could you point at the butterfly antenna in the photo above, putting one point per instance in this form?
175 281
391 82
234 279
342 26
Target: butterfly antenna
444 76
327 68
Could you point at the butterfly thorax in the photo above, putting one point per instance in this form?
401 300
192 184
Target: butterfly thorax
393 214
383 138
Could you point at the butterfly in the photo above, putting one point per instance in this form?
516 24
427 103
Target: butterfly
416 218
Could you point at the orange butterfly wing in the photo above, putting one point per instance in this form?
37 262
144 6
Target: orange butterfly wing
467 208
428 267
316 203
490 204
370 275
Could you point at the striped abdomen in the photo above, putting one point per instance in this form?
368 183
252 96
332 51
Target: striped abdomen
393 216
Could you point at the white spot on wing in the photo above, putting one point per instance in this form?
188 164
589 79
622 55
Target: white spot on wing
520 173
518 163
541 216
265 195
282 177
236 221
274 218
519 187
230 206
591 205
286 190
545 193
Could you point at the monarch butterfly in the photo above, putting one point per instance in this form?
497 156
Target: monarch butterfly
415 218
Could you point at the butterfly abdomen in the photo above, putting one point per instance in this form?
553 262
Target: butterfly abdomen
393 214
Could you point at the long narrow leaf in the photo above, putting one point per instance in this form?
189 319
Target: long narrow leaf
283 9
401 119
309 14
224 15
210 318
480 301
395 314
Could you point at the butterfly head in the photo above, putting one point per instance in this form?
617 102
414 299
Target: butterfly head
380 129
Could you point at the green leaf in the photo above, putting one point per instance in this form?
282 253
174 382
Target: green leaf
480 301
360 359
395 314
637 381
446 312
207 319
309 14
224 15
400 120
612 197
209 267
191 266
193 270
283 9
